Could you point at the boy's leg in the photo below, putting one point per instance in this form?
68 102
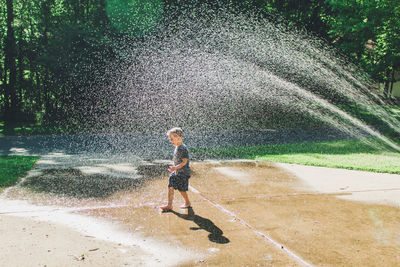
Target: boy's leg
170 200
186 198
171 185
170 196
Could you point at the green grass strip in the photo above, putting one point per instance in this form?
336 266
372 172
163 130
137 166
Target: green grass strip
364 155
14 167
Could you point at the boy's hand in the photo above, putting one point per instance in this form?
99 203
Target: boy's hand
177 167
172 168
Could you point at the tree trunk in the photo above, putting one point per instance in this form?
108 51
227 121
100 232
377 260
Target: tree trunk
101 17
2 87
20 83
39 93
386 87
391 82
45 78
10 54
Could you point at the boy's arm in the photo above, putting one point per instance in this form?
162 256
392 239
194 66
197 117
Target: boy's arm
184 162
179 166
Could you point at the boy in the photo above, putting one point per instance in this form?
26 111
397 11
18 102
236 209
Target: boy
180 171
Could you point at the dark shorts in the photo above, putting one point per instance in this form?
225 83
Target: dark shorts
179 182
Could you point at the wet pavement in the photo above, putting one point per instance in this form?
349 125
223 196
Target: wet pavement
245 213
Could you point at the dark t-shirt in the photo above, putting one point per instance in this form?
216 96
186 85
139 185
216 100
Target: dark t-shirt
181 152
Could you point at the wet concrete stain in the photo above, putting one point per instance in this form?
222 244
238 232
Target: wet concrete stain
74 183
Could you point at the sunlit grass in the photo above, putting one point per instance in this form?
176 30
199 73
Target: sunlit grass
14 167
384 162
347 154
396 111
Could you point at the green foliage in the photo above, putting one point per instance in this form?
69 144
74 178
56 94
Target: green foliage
56 40
134 16
365 30
302 13
60 47
368 30
14 167
75 58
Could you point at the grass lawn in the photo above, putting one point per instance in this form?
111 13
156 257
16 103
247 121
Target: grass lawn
24 128
347 154
14 167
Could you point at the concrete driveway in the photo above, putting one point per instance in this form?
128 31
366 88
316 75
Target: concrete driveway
101 208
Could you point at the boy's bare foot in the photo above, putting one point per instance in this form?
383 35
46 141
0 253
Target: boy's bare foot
165 208
185 206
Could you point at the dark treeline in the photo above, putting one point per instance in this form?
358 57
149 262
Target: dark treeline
54 52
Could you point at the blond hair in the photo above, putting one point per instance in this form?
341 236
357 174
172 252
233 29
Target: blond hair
176 131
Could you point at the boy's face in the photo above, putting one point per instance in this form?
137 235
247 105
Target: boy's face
175 140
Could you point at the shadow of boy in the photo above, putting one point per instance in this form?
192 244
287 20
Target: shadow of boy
216 234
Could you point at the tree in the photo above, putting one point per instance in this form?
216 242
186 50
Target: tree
52 52
368 31
308 14
10 71
388 44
